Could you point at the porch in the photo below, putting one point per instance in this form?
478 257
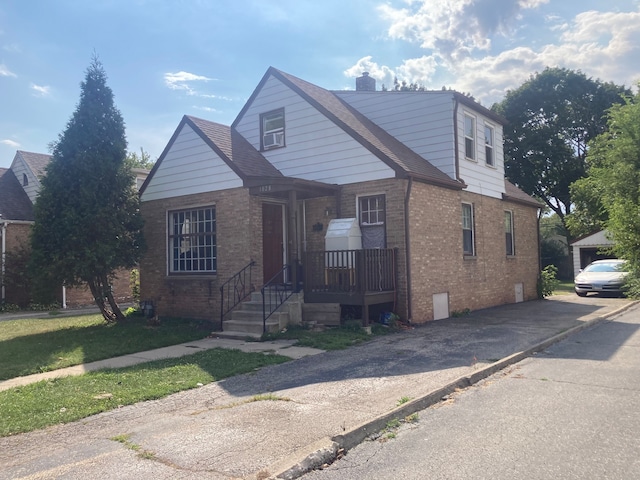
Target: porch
351 277
347 277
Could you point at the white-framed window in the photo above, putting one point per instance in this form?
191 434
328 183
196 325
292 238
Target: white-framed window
272 129
192 240
508 232
469 137
372 221
468 231
488 146
25 180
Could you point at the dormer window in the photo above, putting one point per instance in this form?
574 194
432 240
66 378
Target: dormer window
272 129
25 180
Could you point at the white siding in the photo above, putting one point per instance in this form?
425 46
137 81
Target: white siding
316 149
422 121
189 167
480 177
20 168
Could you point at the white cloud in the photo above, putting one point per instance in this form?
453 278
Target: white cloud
383 74
5 72
183 80
454 29
457 34
10 143
40 90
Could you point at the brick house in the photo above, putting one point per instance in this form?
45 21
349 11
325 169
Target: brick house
420 174
19 187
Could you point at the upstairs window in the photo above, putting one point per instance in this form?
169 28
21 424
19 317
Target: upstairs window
508 232
25 180
272 129
372 221
468 235
470 137
488 146
192 241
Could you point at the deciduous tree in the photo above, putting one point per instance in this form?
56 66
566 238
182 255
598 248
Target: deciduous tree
610 196
551 119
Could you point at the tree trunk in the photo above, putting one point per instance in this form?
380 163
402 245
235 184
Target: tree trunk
101 291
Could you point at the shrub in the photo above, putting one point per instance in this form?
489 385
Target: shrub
547 281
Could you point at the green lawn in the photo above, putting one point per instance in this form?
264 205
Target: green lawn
564 288
30 346
38 405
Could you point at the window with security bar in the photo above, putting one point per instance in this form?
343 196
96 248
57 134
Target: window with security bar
192 241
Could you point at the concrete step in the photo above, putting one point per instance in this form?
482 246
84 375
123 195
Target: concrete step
251 322
321 313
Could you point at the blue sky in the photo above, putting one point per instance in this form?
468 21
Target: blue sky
165 59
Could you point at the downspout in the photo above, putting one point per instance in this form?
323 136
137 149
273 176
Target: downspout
455 139
3 257
407 247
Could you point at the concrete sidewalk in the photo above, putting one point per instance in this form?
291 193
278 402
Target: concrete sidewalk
282 347
315 405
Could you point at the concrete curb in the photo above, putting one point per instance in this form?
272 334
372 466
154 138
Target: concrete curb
326 450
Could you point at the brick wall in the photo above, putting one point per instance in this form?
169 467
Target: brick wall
438 265
238 234
17 236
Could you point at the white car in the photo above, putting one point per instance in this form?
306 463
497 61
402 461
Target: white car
602 276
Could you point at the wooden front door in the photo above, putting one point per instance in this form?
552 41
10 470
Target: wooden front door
272 240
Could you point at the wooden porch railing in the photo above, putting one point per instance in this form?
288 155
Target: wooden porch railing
350 271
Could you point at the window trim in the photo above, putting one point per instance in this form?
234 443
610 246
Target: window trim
380 211
263 132
472 229
472 139
509 242
170 236
490 146
25 180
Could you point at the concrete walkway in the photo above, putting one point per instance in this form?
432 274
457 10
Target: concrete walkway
282 347
284 419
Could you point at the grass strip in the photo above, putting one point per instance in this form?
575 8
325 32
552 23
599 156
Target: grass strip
30 346
63 400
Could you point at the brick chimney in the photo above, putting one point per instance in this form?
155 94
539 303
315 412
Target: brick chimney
365 83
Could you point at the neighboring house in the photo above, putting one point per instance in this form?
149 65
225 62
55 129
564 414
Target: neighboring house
590 248
19 188
421 172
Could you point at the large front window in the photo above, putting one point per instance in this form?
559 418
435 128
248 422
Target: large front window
372 220
192 240
467 229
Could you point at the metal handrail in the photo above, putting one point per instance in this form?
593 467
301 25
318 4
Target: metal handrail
242 288
278 292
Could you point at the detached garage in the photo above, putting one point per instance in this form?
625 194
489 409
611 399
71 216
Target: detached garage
589 249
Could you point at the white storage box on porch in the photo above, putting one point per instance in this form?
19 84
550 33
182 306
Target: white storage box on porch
343 234
342 238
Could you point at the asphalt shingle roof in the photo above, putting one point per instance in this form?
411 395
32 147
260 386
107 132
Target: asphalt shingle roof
386 147
234 149
37 162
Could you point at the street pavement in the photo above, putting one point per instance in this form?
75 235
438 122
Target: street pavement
318 404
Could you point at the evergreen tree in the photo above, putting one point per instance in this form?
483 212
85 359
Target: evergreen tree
87 215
